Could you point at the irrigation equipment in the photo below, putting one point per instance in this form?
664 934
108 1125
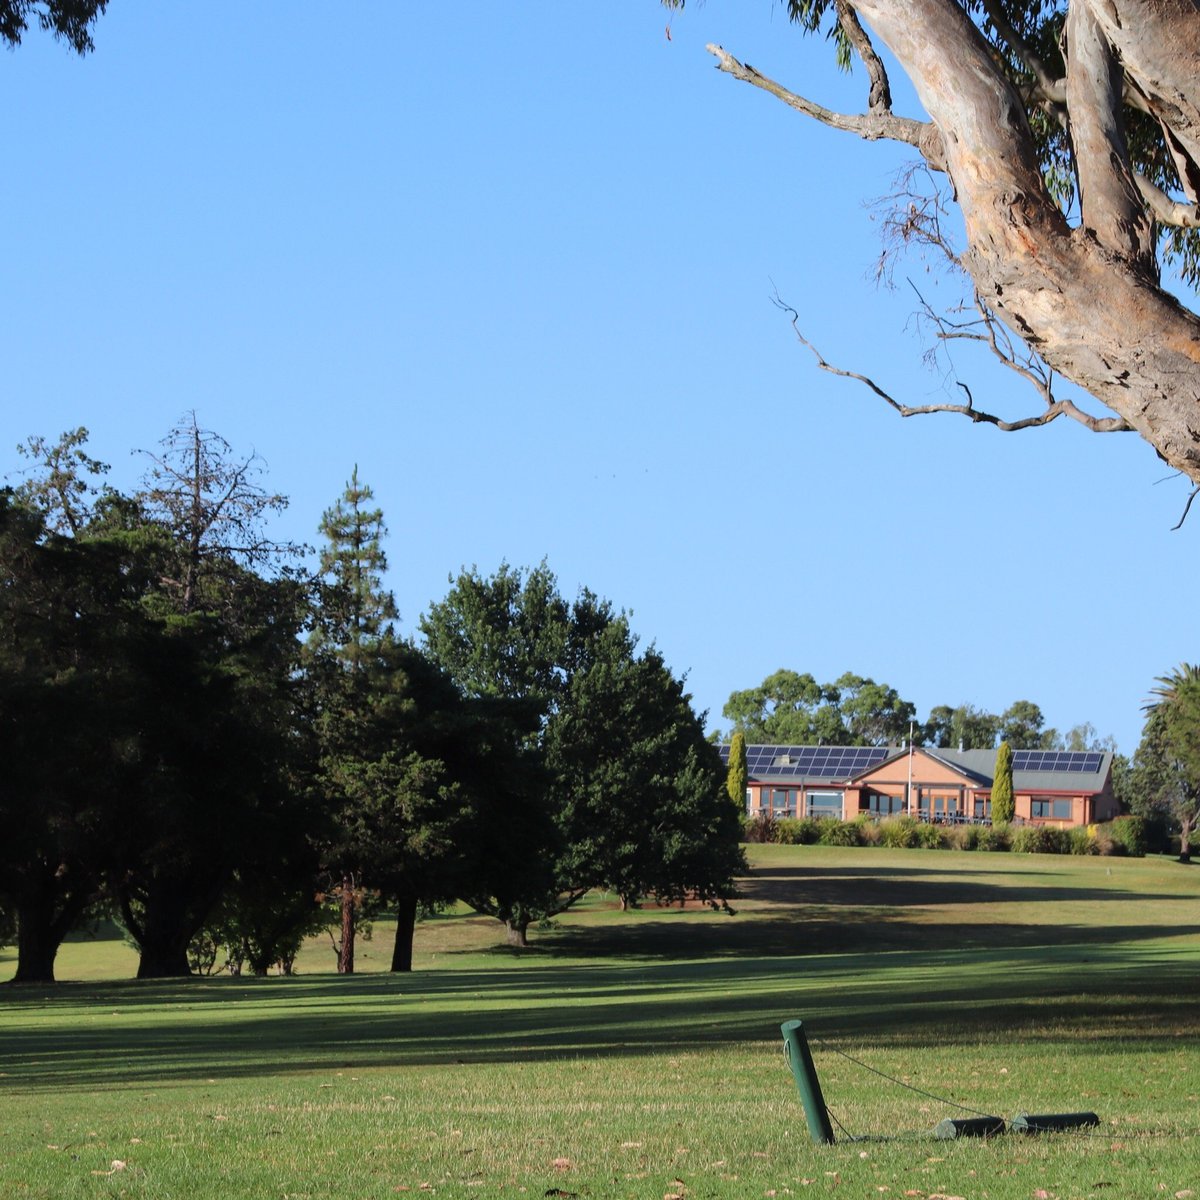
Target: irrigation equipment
979 1124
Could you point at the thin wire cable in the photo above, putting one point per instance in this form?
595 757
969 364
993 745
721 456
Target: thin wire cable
833 1117
900 1082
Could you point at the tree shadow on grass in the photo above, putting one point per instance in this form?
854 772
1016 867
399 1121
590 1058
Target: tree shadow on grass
902 886
227 1029
824 929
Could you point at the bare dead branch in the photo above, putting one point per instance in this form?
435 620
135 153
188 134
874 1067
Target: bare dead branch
880 95
912 216
873 126
1054 410
1186 508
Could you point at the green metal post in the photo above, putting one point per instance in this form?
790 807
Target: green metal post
795 1049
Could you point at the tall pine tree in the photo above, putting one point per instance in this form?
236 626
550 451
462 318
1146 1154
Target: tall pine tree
353 629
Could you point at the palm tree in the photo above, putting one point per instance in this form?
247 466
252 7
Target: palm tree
1172 737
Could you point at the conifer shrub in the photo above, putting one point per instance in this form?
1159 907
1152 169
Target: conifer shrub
1003 802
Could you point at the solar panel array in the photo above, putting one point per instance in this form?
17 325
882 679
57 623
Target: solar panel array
1074 761
825 762
844 762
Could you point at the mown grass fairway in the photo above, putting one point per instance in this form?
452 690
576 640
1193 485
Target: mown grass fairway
638 1054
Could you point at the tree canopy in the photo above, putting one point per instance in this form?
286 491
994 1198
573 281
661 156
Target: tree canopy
70 20
1166 767
1068 134
622 789
792 708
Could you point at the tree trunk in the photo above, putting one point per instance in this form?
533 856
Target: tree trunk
172 912
37 946
406 924
45 916
516 933
1092 317
164 960
346 949
1186 826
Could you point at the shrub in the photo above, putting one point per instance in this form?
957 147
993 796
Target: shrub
787 831
872 833
931 837
993 837
898 833
761 828
963 837
1041 839
802 831
1083 841
1129 833
841 833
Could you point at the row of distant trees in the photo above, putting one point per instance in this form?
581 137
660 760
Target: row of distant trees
218 744
1161 782
792 709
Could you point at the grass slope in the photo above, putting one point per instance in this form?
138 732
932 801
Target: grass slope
638 1055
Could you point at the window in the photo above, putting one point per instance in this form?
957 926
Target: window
825 804
983 809
881 803
942 804
783 802
1050 808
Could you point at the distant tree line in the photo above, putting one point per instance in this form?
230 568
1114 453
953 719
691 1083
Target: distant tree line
792 709
228 750
1160 783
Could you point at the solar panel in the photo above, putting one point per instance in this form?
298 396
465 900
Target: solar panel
1076 761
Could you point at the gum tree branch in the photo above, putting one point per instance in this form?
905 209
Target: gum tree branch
1055 408
873 126
879 98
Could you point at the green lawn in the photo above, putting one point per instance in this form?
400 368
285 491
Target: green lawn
638 1054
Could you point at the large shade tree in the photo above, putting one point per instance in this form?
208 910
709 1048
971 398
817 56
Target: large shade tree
1068 133
610 781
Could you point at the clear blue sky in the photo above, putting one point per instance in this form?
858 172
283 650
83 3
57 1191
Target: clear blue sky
515 261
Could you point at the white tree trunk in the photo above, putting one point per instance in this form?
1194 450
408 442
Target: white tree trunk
1089 310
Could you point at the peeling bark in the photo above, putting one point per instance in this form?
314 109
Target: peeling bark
1112 207
1085 300
1159 44
1092 317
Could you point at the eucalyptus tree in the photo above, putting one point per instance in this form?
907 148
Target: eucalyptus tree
69 20
1067 133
